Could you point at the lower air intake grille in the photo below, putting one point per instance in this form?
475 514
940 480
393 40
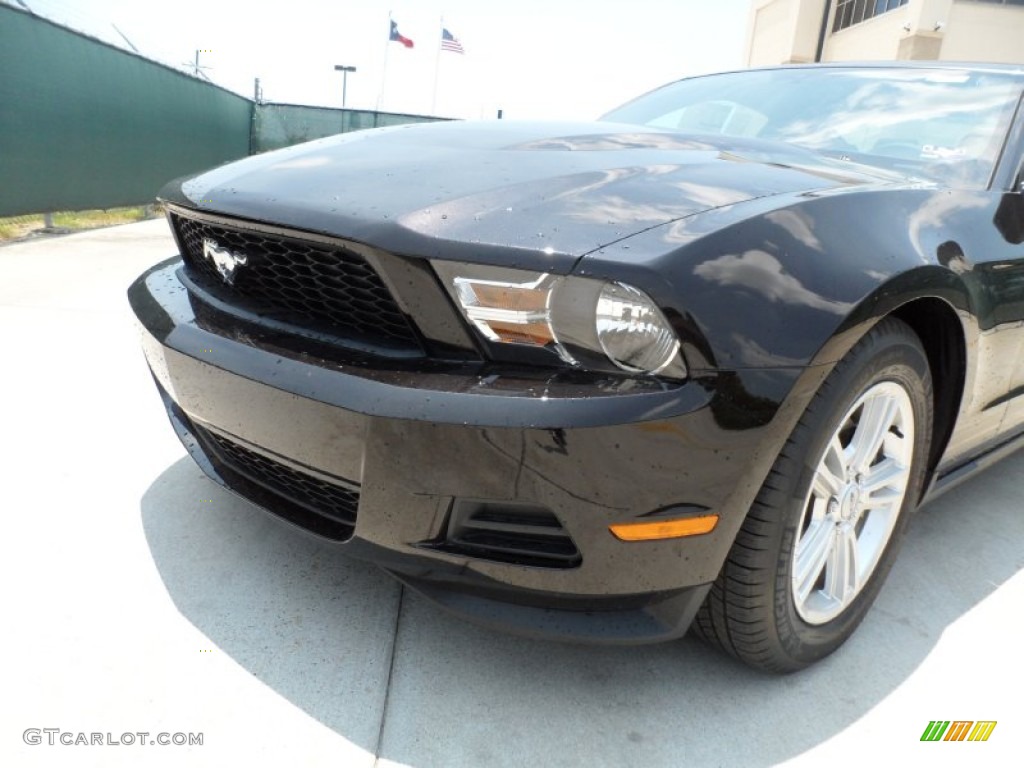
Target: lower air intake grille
330 500
509 533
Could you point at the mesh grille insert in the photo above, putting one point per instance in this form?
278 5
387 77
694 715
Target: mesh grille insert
337 502
304 283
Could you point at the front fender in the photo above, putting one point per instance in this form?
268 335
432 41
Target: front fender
796 280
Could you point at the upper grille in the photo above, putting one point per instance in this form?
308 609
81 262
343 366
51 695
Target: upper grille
325 288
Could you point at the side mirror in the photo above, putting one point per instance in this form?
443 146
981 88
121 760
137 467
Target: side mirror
1009 218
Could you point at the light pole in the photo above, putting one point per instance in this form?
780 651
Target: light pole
344 80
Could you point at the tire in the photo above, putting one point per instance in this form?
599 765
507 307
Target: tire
820 538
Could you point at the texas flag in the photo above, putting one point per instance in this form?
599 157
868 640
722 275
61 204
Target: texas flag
398 37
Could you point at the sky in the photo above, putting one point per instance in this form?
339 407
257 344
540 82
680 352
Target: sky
533 59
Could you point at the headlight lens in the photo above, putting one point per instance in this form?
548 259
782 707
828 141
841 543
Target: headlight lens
586 322
632 331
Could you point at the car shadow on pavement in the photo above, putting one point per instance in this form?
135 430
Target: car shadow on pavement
315 627
320 630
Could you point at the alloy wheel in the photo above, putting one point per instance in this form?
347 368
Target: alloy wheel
854 501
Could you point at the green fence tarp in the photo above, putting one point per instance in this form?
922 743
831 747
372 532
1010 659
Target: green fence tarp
86 125
281 125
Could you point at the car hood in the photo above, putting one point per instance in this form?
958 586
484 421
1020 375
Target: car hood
551 192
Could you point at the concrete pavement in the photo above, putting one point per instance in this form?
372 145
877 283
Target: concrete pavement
140 597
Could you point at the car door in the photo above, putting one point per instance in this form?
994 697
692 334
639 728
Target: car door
1009 221
985 246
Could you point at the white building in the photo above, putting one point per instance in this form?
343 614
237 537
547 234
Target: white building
799 31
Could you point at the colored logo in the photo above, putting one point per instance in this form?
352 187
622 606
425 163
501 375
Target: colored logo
958 730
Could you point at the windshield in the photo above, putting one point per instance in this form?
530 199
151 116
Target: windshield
946 125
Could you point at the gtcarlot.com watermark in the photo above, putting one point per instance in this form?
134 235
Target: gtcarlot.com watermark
57 736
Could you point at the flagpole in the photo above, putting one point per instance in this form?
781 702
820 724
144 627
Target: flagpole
384 70
437 68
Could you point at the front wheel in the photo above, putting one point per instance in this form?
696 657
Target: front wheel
819 540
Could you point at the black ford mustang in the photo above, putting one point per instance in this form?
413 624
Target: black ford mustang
694 363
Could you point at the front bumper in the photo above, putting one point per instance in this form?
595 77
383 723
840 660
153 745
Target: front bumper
415 448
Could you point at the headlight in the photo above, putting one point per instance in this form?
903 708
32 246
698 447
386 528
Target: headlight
587 323
632 331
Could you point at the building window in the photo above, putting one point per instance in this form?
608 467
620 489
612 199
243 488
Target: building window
850 12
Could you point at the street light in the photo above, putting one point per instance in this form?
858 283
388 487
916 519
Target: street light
344 80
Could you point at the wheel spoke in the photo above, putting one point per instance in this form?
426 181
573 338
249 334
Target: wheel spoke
841 572
875 421
881 499
825 485
886 473
895 444
812 553
819 508
835 459
831 471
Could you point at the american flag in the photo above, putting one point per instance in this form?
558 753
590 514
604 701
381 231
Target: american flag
450 42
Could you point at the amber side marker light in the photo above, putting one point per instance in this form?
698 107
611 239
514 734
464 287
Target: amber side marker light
664 529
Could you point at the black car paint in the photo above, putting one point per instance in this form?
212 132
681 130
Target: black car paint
759 246
792 303
405 435
770 267
529 195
